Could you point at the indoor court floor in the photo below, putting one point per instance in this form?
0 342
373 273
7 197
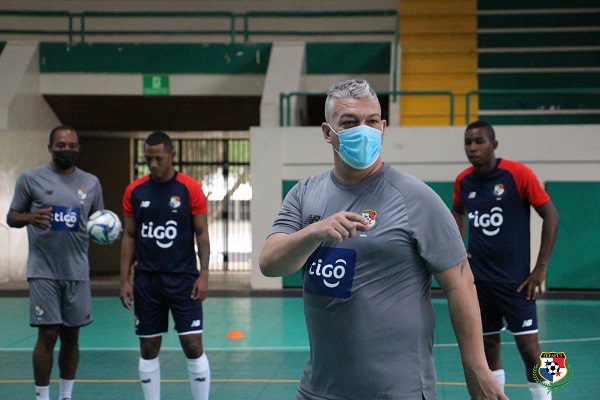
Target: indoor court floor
267 362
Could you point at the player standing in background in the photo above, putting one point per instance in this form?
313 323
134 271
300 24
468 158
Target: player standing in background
496 194
164 212
54 202
369 238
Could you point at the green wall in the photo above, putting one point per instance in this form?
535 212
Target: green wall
175 58
205 58
575 262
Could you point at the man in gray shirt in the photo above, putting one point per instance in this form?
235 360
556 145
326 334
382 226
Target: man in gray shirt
54 202
369 239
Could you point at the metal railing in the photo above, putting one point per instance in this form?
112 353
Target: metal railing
533 112
68 31
232 31
318 14
285 111
87 15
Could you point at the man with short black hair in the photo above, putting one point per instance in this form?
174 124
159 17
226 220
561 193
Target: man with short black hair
165 216
494 197
54 202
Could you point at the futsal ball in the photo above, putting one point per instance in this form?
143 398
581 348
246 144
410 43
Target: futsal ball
104 227
552 368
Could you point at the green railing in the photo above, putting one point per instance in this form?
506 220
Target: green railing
231 31
68 31
285 103
285 111
498 92
247 31
87 15
318 14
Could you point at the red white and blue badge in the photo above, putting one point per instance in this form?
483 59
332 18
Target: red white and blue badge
371 216
553 366
498 189
39 310
82 194
175 202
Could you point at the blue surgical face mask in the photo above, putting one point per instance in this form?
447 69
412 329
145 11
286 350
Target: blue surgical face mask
359 146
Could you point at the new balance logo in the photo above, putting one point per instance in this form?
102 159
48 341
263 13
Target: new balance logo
527 322
146 380
311 219
195 323
145 204
200 379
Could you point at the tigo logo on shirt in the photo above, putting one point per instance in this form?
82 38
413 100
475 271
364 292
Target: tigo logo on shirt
65 218
330 272
488 222
164 235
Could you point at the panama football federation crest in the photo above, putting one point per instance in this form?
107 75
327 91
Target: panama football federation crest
39 310
552 372
371 216
498 189
175 202
82 194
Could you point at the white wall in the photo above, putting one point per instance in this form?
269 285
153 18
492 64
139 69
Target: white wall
197 5
60 23
25 121
554 152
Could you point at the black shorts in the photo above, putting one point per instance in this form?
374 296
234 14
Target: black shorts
155 294
499 301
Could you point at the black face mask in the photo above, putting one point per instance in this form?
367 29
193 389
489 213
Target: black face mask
65 159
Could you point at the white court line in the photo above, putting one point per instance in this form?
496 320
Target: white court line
592 339
286 348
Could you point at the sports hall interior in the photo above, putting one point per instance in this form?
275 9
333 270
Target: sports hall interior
240 86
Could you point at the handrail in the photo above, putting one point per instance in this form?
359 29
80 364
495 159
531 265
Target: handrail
285 97
315 14
27 13
523 91
246 31
148 14
337 13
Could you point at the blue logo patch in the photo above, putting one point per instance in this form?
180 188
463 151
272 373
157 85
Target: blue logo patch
330 272
65 218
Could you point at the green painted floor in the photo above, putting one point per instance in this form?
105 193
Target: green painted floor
268 362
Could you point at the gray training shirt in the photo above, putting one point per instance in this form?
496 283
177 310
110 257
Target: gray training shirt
367 299
60 252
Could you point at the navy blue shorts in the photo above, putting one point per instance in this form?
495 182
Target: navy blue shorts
155 294
499 301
